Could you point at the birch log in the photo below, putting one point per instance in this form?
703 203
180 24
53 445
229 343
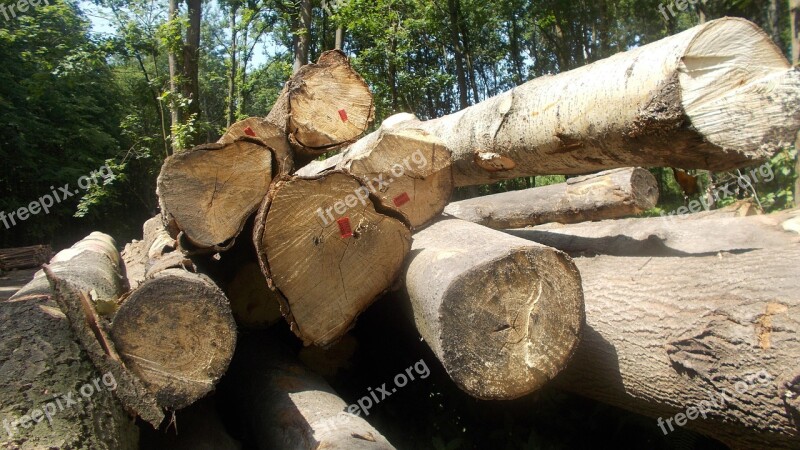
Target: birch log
406 170
681 335
286 406
718 96
502 314
42 361
605 195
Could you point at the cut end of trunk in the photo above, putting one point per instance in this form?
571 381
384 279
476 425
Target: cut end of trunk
270 134
177 334
321 230
208 193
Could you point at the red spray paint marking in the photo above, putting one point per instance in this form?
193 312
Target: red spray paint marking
249 131
401 199
343 115
344 227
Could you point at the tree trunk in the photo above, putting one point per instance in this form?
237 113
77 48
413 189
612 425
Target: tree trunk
711 336
324 106
407 170
339 37
289 407
302 36
463 91
232 74
42 361
174 74
323 245
669 103
794 11
605 195
687 235
191 57
503 315
177 334
207 193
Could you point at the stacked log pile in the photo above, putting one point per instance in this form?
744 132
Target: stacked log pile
641 313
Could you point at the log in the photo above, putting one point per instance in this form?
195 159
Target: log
718 96
207 193
715 333
253 303
503 315
42 361
270 134
176 333
288 406
406 170
330 253
687 235
24 257
606 195
323 107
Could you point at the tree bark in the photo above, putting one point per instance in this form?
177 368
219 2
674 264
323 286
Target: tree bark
324 246
794 12
177 334
207 193
503 315
678 335
339 38
690 112
290 407
42 361
302 36
463 91
324 106
605 195
687 235
406 170
232 73
174 73
191 57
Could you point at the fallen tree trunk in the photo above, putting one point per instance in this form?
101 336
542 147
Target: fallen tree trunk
407 170
324 106
324 246
718 96
43 364
207 193
605 195
705 340
503 315
288 406
693 234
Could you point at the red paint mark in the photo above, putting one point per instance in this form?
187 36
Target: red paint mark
249 131
344 227
401 199
343 115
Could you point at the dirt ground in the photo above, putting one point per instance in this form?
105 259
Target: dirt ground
11 282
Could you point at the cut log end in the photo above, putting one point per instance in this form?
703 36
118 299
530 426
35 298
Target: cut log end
318 230
177 334
207 193
270 134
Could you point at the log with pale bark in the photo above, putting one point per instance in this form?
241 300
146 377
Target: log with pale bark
42 361
207 193
717 96
502 314
606 195
408 170
327 249
713 329
288 406
686 235
323 107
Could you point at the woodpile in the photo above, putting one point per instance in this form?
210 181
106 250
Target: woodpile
645 314
24 257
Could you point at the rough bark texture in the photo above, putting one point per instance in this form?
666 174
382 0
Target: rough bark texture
503 315
406 170
24 257
605 195
289 407
324 106
176 332
207 193
690 234
41 360
665 334
328 251
718 96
